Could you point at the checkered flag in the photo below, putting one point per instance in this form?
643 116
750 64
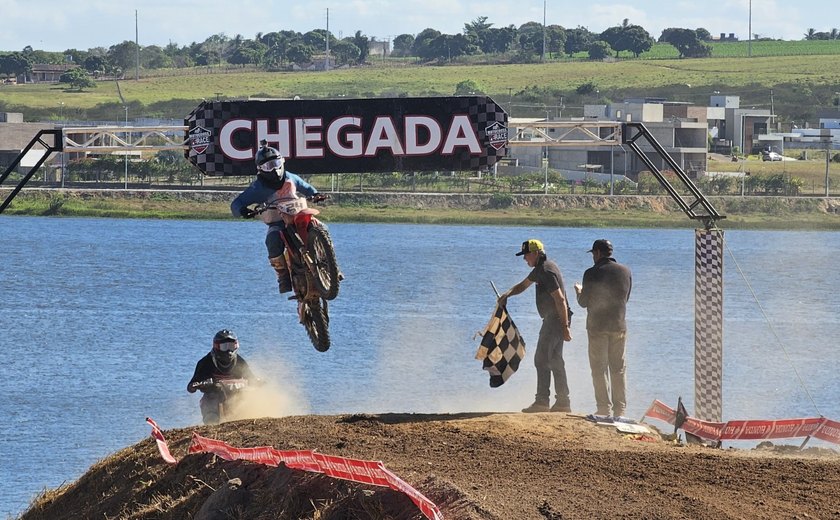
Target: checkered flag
502 348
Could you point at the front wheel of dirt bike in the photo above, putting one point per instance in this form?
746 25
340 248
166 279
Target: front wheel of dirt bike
320 247
315 321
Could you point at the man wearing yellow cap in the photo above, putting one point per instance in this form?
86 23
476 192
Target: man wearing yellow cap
554 311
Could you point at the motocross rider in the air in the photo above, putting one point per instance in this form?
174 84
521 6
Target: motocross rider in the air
273 182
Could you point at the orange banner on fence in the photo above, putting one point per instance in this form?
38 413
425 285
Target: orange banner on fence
818 427
361 471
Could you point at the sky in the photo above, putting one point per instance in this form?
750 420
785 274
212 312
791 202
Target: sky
58 25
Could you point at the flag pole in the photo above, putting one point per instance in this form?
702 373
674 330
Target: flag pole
494 289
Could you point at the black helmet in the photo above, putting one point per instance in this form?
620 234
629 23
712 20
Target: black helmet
269 160
224 350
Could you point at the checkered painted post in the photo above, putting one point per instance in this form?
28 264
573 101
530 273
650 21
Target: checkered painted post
708 324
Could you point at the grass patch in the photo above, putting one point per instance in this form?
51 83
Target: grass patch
742 213
173 96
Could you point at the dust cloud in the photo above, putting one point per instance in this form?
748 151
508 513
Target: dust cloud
275 396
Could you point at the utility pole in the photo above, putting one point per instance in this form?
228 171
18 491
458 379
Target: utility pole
543 51
327 62
749 36
137 44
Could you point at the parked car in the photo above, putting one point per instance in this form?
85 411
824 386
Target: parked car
771 156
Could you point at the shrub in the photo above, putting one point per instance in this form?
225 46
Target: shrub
500 200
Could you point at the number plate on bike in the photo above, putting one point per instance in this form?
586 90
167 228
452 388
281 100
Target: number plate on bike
293 207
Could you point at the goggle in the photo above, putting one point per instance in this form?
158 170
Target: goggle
228 346
273 164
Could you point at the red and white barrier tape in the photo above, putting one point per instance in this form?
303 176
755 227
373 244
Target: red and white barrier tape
362 471
817 427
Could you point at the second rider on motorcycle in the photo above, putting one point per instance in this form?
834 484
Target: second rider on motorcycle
273 183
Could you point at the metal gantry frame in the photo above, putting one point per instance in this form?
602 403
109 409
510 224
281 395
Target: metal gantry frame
124 138
708 252
609 133
95 139
569 134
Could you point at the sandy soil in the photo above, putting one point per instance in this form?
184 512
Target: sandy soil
473 466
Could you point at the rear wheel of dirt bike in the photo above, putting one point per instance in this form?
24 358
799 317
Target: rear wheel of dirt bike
315 321
320 247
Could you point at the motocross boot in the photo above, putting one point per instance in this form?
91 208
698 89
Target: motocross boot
284 279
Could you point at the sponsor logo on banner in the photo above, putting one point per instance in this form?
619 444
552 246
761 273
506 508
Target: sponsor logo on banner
199 139
497 135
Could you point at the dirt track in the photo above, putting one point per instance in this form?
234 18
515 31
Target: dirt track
473 466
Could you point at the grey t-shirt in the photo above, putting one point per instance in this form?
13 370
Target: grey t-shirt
547 276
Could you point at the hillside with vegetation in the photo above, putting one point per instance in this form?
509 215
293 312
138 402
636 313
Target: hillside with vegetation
532 70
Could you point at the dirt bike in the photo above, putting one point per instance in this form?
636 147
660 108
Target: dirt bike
310 257
231 392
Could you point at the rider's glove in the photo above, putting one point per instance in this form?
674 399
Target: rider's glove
319 197
247 212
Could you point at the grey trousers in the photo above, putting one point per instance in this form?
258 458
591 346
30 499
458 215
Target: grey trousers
548 360
606 359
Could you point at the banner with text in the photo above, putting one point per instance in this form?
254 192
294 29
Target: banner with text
817 427
349 135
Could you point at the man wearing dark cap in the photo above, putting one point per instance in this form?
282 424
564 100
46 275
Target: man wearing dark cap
554 311
604 294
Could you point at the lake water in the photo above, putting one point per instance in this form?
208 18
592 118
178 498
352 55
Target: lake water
104 320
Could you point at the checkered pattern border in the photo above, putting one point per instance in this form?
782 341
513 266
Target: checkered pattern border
210 116
483 111
708 324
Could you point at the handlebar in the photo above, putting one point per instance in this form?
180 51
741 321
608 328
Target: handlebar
278 204
220 384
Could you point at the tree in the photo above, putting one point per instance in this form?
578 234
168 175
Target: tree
477 31
599 50
153 57
363 43
578 40
214 49
345 52
703 34
96 65
628 37
810 34
77 78
299 53
499 40
422 41
555 39
468 87
590 87
317 39
402 45
530 37
686 43
248 52
14 64
123 55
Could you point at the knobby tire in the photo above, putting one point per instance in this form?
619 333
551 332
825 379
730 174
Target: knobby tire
320 247
315 321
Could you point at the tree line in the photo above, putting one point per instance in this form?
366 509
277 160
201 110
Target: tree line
282 49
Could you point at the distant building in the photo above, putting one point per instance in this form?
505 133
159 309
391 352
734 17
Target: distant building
377 48
731 126
45 73
679 127
725 38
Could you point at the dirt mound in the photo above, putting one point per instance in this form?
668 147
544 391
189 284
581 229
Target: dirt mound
473 466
